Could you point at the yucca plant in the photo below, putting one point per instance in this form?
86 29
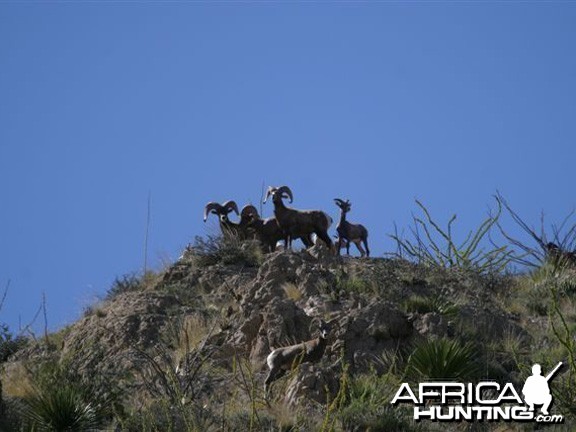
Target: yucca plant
435 303
443 359
62 408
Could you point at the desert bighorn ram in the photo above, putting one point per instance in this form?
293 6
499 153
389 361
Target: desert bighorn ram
228 227
348 232
298 223
269 232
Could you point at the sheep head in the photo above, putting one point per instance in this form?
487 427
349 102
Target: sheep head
344 205
220 210
324 327
278 193
249 213
212 207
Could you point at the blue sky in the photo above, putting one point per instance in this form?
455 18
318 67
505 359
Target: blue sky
104 103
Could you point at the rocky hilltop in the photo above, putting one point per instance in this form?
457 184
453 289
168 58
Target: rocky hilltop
186 348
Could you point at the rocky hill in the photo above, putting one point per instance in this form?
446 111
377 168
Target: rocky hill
186 348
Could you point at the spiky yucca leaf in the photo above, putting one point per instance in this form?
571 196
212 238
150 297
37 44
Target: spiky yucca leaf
61 408
443 359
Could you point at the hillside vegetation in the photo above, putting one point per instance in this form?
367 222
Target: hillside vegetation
184 349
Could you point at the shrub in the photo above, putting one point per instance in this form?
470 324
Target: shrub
367 406
434 246
443 359
62 407
127 283
436 304
353 283
226 250
58 399
9 343
163 416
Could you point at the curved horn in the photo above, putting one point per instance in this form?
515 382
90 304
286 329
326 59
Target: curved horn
249 211
318 322
286 190
211 207
339 202
269 192
231 206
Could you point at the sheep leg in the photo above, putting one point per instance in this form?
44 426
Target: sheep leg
324 237
360 248
307 240
338 246
365 240
273 375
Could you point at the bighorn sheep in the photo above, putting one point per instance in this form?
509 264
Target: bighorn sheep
298 223
228 227
339 245
560 256
348 232
269 232
283 359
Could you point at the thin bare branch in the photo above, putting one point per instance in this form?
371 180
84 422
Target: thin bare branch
4 294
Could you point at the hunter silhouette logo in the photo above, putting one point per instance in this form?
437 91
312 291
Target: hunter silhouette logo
448 401
536 390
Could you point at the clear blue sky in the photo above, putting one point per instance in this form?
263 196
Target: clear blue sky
381 103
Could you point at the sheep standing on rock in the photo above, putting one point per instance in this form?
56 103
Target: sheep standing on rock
348 232
298 223
269 233
284 359
229 228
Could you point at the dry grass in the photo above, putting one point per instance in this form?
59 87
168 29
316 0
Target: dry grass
16 381
189 332
292 291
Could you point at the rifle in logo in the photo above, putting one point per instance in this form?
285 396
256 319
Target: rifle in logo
536 390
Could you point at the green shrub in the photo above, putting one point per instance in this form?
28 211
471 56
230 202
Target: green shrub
60 399
164 416
62 408
433 246
9 343
247 421
227 250
127 283
368 408
353 283
436 304
443 359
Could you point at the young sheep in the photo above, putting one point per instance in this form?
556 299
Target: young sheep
298 223
228 227
340 244
284 359
348 232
